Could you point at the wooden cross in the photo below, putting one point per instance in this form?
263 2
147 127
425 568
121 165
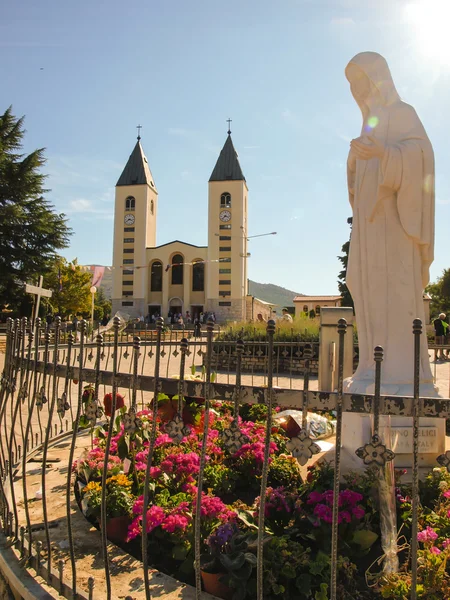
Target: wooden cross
38 291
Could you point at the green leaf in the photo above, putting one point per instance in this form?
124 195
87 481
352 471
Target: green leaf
303 584
232 562
193 369
323 594
240 593
244 573
364 538
247 518
123 447
179 552
251 558
288 571
84 422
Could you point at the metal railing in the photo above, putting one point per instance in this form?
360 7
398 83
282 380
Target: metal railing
41 403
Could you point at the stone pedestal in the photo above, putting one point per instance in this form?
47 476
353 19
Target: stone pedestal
357 431
329 346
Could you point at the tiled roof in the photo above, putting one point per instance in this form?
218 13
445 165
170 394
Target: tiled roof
227 166
137 171
316 298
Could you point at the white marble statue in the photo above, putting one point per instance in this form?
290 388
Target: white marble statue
391 189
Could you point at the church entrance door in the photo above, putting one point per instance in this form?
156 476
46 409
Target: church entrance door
196 309
154 309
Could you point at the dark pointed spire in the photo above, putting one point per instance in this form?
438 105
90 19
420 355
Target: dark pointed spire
227 166
137 171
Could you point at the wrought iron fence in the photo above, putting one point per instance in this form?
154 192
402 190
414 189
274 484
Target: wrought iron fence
41 406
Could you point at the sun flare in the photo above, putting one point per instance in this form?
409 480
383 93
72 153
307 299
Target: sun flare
430 21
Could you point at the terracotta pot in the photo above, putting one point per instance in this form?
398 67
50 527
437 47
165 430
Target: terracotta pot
117 529
213 585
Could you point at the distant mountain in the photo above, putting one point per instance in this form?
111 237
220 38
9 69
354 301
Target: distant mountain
274 294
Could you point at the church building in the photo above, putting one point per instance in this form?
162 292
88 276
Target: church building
178 276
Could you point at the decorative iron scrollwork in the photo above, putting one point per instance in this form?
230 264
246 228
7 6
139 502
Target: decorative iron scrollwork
444 460
176 429
375 452
302 447
233 438
131 422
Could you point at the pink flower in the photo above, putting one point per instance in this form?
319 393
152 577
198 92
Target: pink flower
324 513
434 550
155 516
446 543
314 497
427 535
174 522
345 516
358 512
446 494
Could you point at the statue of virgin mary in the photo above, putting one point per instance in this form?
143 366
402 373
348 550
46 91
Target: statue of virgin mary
391 189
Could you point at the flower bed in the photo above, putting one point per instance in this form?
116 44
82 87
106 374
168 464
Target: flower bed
298 513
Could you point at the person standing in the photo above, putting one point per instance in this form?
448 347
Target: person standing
440 327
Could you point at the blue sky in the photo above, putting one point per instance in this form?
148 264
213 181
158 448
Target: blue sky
86 73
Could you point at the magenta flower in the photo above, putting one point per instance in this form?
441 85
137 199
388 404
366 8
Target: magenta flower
446 494
314 497
427 535
446 543
434 550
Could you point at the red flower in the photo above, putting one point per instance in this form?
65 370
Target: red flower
107 401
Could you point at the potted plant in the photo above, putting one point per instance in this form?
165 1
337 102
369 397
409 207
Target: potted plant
227 566
118 504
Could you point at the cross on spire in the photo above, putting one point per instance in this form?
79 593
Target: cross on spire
139 127
229 121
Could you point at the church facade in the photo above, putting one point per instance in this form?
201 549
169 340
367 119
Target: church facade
176 277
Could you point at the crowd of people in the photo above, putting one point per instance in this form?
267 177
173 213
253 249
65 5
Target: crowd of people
177 318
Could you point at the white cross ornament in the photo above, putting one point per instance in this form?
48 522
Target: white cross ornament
39 291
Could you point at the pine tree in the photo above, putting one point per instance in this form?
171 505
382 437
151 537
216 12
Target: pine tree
30 230
347 299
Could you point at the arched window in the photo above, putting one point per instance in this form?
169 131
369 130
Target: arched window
151 206
198 276
318 310
130 203
177 269
156 277
305 308
225 200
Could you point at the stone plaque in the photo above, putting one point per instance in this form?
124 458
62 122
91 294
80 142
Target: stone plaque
402 440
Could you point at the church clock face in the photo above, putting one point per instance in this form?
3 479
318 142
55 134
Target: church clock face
129 219
225 216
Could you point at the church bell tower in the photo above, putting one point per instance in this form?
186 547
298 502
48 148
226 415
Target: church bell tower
135 212
227 237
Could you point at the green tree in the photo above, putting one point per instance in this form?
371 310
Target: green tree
102 306
347 299
30 230
71 289
440 294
